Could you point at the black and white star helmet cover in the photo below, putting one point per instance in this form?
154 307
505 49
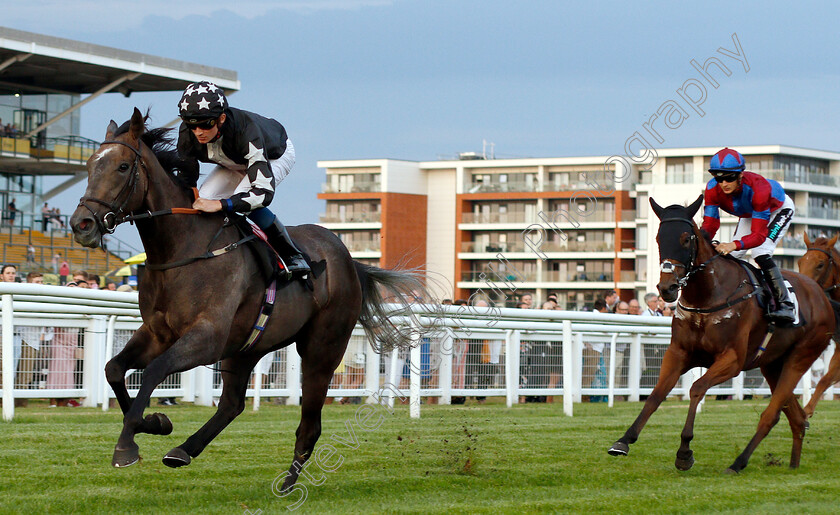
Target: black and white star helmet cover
202 101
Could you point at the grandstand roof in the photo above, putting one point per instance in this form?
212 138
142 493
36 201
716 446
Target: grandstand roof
34 63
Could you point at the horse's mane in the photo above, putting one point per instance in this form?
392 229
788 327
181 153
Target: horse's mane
184 171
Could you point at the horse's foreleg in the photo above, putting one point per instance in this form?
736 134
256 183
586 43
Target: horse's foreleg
726 366
129 357
190 351
782 394
673 363
798 423
235 375
830 377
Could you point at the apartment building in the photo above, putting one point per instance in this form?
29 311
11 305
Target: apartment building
574 226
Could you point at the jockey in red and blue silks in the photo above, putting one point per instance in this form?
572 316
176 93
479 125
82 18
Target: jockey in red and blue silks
765 212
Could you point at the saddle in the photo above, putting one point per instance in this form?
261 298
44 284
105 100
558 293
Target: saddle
765 297
271 263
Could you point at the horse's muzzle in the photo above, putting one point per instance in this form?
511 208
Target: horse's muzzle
85 229
668 290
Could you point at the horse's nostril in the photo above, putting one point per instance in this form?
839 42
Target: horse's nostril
85 224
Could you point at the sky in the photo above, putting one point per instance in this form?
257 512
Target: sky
425 80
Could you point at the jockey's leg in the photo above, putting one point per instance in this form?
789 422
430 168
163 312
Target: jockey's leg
279 238
784 307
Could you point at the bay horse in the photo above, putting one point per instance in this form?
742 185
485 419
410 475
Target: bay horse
719 324
822 263
200 311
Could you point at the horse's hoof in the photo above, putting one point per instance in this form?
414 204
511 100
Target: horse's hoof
619 449
156 424
125 457
684 463
807 425
177 457
731 471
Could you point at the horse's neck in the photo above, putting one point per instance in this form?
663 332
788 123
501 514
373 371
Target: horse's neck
715 280
834 277
166 236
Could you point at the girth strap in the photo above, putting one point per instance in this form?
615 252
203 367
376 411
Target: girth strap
262 319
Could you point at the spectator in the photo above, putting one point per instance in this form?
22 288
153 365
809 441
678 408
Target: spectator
660 304
12 210
594 374
668 311
110 286
446 302
80 276
28 348
527 299
63 363
30 253
125 287
622 308
635 308
45 217
93 281
651 299
63 271
9 273
611 298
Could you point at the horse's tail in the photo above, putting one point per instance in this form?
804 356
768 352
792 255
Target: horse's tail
380 288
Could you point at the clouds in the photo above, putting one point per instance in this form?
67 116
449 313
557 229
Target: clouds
117 15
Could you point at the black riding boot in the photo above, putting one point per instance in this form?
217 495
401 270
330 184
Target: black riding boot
784 307
279 238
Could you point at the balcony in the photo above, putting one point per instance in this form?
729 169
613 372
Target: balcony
350 218
358 187
363 246
555 276
497 218
485 275
823 213
493 246
801 177
505 187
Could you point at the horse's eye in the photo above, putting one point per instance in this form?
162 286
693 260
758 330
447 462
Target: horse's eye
124 167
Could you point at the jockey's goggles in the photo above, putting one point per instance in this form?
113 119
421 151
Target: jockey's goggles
727 177
203 124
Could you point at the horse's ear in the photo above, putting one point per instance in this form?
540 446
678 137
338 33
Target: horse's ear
807 239
109 132
657 209
692 209
832 241
138 124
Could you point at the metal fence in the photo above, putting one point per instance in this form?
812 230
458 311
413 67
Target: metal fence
59 340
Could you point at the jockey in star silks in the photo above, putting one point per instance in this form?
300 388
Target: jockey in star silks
252 153
765 212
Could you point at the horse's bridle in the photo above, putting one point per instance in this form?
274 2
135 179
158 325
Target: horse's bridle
831 264
668 267
108 222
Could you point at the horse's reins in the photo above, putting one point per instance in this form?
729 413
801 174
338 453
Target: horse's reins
827 270
667 267
114 217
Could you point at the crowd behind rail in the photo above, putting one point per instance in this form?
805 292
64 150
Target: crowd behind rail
63 362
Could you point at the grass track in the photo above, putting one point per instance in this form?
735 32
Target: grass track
461 459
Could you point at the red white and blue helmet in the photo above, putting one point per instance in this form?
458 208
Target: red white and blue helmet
726 161
202 101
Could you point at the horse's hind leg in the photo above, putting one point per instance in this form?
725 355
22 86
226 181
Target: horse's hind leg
726 366
795 415
319 358
669 374
235 375
830 377
782 395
